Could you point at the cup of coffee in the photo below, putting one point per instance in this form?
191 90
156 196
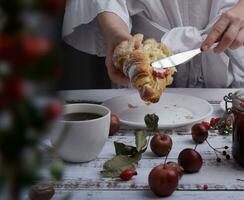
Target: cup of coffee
81 133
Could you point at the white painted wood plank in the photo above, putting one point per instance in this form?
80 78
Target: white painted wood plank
104 94
147 195
144 195
219 176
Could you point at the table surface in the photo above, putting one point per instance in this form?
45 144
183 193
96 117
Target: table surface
84 181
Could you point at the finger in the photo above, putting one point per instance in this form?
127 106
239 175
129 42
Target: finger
239 41
217 31
117 77
228 37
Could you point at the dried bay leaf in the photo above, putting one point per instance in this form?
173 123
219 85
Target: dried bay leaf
114 167
141 140
122 149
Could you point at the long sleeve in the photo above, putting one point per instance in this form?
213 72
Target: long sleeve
203 69
80 27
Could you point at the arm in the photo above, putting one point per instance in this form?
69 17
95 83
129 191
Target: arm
115 31
228 30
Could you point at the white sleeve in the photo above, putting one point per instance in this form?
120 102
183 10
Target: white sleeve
80 27
228 66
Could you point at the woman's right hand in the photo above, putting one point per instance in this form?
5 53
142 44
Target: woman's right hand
115 31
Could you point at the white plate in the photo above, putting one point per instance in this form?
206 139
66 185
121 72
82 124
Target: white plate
174 110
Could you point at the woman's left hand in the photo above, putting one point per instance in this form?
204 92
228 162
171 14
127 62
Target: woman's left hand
228 30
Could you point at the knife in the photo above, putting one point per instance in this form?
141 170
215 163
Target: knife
177 59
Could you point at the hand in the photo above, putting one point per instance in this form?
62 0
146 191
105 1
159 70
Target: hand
114 74
115 31
228 30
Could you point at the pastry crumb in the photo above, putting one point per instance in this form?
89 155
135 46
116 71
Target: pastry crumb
132 106
188 117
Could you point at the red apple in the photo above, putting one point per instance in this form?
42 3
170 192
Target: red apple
176 166
199 133
114 124
190 160
163 180
161 144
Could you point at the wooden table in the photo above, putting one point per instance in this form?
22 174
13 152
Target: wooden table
84 181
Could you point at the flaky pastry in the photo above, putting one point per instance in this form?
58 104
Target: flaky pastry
134 57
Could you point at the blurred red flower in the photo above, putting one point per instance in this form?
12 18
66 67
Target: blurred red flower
23 49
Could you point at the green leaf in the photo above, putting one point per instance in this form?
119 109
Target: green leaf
151 121
122 149
141 140
114 167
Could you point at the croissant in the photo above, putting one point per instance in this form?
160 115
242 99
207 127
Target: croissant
133 58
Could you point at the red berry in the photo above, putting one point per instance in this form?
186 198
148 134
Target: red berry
205 186
206 124
35 47
23 49
15 89
127 174
214 121
55 7
228 122
53 110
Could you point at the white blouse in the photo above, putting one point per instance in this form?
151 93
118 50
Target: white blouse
180 24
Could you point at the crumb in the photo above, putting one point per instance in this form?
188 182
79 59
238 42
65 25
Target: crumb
205 187
188 117
147 103
132 106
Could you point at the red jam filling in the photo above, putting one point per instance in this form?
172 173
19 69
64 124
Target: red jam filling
161 75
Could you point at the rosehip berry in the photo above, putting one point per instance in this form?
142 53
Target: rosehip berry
224 153
214 121
227 157
55 6
218 160
206 124
226 147
127 174
15 88
205 186
228 122
53 110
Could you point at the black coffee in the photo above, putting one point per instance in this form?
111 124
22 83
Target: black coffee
81 116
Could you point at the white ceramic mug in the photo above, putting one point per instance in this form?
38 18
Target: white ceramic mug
81 141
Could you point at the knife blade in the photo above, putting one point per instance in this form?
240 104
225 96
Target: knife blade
176 59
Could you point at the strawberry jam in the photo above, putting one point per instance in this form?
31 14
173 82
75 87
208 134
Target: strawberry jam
238 127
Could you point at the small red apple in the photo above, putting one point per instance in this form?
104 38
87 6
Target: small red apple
176 166
114 124
199 133
163 180
161 144
190 160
